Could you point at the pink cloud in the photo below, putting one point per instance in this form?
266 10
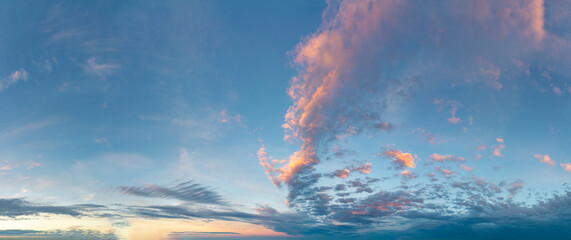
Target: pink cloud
557 91
439 158
225 118
544 159
269 166
447 173
429 136
454 120
6 167
497 150
469 169
566 166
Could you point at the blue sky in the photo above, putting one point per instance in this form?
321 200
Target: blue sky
285 119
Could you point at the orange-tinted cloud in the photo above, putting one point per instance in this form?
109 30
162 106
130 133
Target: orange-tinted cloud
365 168
566 166
407 174
469 169
439 158
447 173
497 150
401 159
544 159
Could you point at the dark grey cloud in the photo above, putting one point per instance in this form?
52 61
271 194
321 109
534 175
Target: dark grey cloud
14 207
56 234
186 191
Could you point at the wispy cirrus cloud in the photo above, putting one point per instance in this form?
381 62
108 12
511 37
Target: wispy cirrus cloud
101 69
13 78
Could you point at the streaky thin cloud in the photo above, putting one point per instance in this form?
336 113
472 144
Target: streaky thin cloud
100 69
13 78
186 191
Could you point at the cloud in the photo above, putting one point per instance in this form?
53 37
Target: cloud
100 69
407 174
225 118
186 191
439 158
429 136
497 150
401 159
469 169
447 173
566 166
364 168
515 187
57 234
15 77
14 207
544 159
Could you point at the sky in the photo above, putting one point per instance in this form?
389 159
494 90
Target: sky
289 119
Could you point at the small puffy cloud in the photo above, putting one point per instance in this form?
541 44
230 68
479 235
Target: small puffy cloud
429 136
447 173
15 77
6 167
385 126
439 158
514 187
454 120
566 166
557 91
481 147
365 168
343 173
497 150
544 159
500 140
401 159
407 174
226 118
469 169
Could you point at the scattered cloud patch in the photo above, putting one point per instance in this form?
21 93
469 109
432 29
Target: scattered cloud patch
15 77
544 159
